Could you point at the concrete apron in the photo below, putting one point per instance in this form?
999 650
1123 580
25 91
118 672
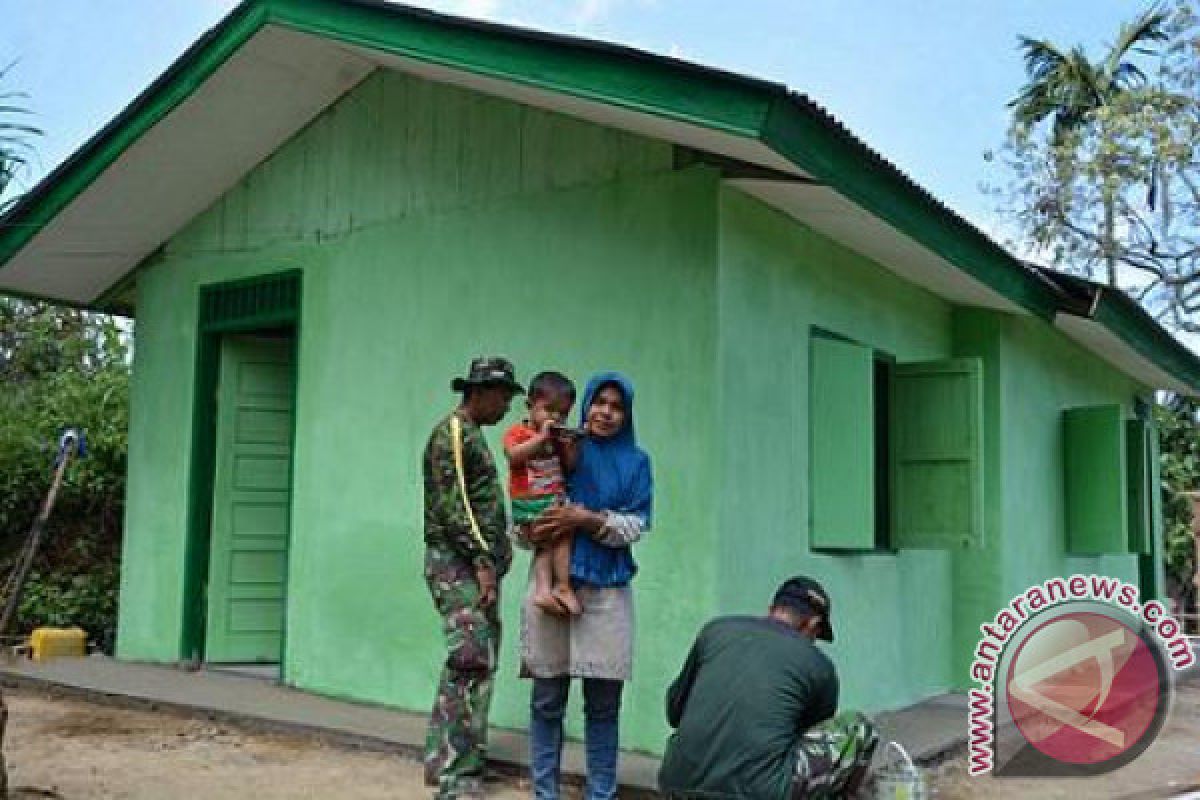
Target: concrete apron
255 702
929 730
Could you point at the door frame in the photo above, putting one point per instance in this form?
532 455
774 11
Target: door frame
269 301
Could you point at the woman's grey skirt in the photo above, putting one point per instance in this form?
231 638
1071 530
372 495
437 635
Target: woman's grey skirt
596 644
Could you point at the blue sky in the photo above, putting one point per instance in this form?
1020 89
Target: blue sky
924 83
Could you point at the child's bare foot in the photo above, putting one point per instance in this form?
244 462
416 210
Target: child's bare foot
567 598
550 603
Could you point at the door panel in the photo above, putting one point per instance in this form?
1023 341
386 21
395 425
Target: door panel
251 500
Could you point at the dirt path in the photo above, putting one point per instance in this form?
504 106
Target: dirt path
80 750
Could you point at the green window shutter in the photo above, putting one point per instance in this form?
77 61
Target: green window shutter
1096 484
842 446
1156 495
938 454
1137 443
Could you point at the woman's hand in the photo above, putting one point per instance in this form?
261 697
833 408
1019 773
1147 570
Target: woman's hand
559 521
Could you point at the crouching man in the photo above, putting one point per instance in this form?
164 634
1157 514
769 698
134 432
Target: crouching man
753 709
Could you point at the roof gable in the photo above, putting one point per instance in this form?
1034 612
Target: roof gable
272 65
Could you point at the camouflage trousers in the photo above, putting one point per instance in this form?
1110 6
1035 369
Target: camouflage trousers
833 757
456 741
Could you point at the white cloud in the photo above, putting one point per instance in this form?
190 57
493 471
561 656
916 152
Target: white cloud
589 12
478 9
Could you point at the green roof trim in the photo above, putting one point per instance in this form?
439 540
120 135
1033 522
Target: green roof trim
1122 315
1125 318
55 192
808 137
587 69
786 122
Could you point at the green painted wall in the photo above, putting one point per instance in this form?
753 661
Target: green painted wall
908 619
1032 374
485 228
1047 374
777 280
432 224
978 575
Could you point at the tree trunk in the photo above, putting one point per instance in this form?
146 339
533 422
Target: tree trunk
1110 244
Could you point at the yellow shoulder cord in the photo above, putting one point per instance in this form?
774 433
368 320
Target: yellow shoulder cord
456 445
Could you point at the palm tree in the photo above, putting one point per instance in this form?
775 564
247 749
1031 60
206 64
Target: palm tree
15 135
1067 88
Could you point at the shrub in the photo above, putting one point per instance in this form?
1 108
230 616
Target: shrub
64 368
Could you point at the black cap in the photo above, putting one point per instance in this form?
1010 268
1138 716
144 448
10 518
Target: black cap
489 371
805 596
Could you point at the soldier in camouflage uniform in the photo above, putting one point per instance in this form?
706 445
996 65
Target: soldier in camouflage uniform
467 552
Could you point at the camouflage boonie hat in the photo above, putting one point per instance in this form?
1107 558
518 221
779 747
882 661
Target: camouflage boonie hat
489 371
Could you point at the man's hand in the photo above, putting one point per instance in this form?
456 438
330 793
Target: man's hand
485 576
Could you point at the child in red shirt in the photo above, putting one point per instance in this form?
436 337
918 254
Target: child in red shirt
540 455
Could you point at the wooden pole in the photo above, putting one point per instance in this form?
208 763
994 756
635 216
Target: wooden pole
67 449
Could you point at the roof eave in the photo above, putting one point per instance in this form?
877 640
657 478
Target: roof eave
805 134
1124 317
35 209
787 123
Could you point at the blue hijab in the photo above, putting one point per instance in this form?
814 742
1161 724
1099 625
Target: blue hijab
611 474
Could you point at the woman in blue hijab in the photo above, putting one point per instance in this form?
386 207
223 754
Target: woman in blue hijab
612 496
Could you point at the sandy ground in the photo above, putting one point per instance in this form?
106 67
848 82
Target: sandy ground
71 749
78 750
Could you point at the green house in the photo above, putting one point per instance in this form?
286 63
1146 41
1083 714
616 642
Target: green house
325 208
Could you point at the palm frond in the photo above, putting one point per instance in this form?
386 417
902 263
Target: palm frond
1128 76
1037 99
1138 35
1062 87
1041 57
15 135
26 129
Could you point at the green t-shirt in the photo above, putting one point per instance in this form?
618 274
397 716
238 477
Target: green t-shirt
751 686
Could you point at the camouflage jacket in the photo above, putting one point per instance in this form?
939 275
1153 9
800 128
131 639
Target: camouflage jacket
477 533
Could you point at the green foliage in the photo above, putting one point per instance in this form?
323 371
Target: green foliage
1103 165
1179 439
63 600
1066 87
63 368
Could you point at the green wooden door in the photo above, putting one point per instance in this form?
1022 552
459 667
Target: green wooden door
251 500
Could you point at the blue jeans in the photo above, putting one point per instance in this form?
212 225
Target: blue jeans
601 709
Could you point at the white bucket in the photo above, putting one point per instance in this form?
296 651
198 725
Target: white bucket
899 779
